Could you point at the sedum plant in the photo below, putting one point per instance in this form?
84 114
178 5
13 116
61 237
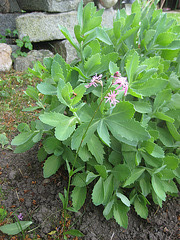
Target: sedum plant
112 116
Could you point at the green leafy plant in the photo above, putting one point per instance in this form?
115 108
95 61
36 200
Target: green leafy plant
3 37
26 43
3 214
112 116
22 43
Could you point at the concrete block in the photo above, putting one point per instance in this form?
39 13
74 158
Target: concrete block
49 5
44 27
7 21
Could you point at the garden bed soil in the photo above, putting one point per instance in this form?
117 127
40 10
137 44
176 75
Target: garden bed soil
24 190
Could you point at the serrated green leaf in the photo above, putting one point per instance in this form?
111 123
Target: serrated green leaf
162 116
98 192
51 166
103 36
161 98
122 111
145 185
113 68
170 186
121 172
165 38
22 138
79 180
123 198
108 208
42 154
78 197
153 149
142 107
92 64
158 187
151 87
129 129
32 92
78 93
56 71
101 169
140 206
172 46
15 228
132 65
74 232
25 146
23 127
68 36
120 214
90 177
47 88
108 189
171 161
135 174
50 144
103 132
3 140
96 148
173 131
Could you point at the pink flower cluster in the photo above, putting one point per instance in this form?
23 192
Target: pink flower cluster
122 83
95 81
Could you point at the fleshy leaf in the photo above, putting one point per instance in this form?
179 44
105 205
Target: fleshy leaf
51 166
78 197
98 192
15 228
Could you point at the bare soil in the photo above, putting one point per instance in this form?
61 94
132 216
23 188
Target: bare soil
24 190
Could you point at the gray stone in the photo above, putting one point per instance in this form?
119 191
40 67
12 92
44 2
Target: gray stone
14 7
107 17
49 5
4 6
13 174
21 64
108 3
44 27
8 22
66 50
5 57
14 49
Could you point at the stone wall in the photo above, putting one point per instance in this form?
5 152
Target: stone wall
40 19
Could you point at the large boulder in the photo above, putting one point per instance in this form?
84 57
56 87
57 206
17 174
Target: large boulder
5 57
49 5
44 27
21 64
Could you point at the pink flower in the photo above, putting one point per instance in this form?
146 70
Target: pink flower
112 98
94 81
122 82
20 217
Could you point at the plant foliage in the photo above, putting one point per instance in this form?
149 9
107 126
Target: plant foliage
123 139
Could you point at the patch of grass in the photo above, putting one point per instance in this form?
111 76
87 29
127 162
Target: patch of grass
13 100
